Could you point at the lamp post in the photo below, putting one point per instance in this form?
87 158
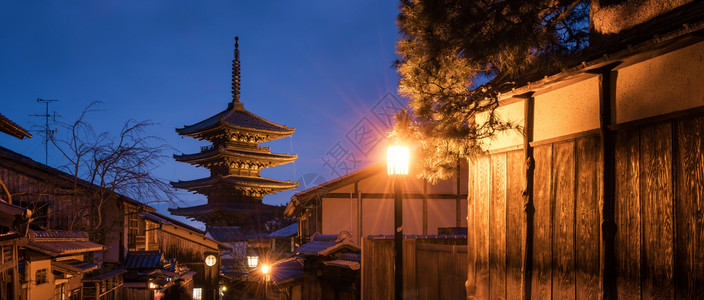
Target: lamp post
397 165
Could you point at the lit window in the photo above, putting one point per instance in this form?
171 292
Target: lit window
252 261
41 277
197 294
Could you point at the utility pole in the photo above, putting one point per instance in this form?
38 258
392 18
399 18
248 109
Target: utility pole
47 131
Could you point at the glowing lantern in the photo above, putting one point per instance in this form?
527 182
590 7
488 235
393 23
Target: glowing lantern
252 261
397 158
210 260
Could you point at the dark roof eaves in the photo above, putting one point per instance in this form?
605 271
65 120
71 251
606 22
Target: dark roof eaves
67 178
358 175
609 54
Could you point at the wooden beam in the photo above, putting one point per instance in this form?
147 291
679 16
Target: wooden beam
425 207
391 196
528 208
608 169
458 190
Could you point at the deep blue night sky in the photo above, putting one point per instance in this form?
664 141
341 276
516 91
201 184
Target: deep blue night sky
318 66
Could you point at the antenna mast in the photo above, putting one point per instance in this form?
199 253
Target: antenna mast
47 131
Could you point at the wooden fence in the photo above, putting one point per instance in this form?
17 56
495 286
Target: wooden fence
434 268
658 219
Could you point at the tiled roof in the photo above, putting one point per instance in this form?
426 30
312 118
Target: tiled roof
236 182
9 212
337 247
351 257
313 247
287 270
28 167
301 199
62 242
238 118
52 236
154 218
9 127
324 244
72 266
285 232
144 260
341 263
680 27
420 236
105 276
226 234
237 153
211 208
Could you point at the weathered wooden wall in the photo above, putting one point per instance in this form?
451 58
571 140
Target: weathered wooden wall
137 294
659 209
192 255
434 268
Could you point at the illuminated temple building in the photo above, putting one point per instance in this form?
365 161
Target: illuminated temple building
235 187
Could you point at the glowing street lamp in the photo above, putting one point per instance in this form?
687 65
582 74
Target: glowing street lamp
397 158
265 269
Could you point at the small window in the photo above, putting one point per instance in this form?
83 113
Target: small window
41 277
197 294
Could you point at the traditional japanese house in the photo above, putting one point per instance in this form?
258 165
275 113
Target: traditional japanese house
326 267
150 274
14 222
283 240
234 189
187 246
603 195
361 204
53 264
133 225
13 229
11 128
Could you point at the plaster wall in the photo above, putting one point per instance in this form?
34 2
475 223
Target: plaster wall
441 213
567 110
341 214
112 253
337 216
512 113
41 291
377 215
664 84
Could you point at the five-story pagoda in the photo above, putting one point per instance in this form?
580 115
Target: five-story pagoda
234 188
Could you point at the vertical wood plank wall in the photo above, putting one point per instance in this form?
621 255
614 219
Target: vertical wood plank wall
659 209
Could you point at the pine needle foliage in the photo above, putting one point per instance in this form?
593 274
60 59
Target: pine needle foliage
447 47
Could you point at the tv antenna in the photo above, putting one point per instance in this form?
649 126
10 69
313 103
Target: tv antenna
47 131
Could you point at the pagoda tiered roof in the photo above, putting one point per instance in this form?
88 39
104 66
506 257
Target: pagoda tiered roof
250 185
234 210
236 118
214 156
234 188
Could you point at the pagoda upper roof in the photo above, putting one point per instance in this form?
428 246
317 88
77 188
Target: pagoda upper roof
237 182
236 117
252 154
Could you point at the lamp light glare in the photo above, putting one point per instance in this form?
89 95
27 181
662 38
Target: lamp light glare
265 269
397 158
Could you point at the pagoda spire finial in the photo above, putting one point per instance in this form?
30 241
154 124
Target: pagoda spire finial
236 74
